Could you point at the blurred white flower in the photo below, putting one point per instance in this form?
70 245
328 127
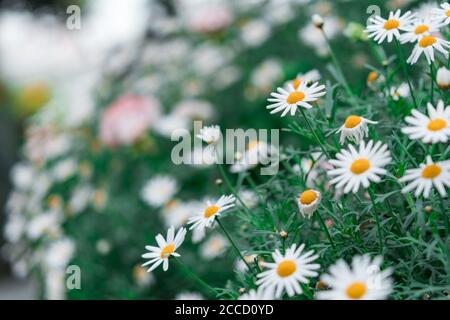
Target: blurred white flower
194 109
206 17
64 169
22 176
255 32
402 91
443 78
55 284
14 227
313 37
81 195
103 246
249 197
44 223
213 247
158 190
189 296
267 74
59 253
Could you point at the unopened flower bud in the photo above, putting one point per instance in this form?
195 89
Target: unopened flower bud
443 78
242 290
317 21
428 209
283 234
219 182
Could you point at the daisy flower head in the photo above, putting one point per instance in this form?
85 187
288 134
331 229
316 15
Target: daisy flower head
210 135
354 168
380 29
308 201
443 78
431 128
354 129
402 91
363 280
288 101
429 174
287 271
206 216
426 45
442 14
166 248
419 28
159 190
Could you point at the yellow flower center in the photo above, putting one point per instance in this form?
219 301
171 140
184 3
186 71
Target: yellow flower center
33 96
286 268
356 290
391 24
437 124
352 121
295 97
372 76
421 29
296 83
167 250
210 211
447 13
360 166
431 171
427 41
308 197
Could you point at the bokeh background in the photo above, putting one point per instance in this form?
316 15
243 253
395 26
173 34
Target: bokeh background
191 59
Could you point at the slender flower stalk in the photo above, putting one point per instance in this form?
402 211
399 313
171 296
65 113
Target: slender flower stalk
325 229
377 219
405 70
232 189
202 283
318 140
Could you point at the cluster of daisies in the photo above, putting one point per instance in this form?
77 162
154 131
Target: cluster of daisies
289 271
423 31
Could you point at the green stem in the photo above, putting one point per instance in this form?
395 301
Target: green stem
405 70
432 82
324 226
444 216
377 219
195 277
314 133
232 242
307 292
230 186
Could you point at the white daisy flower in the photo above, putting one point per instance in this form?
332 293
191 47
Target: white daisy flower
354 168
291 99
205 218
158 190
402 91
287 271
189 296
431 128
166 248
427 45
442 14
429 174
308 201
354 129
256 152
259 294
419 28
443 78
379 28
211 135
364 280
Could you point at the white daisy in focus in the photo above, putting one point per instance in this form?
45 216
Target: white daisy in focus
354 168
427 45
380 29
402 91
189 296
205 218
166 248
431 128
419 28
158 190
210 135
354 129
429 174
291 99
308 201
442 14
214 247
364 280
288 271
259 294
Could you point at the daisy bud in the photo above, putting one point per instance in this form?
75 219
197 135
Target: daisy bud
308 201
321 285
219 182
283 234
426 296
242 290
317 21
443 78
428 209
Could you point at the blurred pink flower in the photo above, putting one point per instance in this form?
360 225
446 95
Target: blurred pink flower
127 119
